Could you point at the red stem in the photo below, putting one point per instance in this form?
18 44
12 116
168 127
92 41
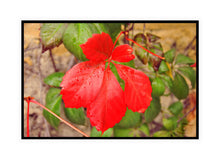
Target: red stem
118 38
29 99
135 43
28 103
145 48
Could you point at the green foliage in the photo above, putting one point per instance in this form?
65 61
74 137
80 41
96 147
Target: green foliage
150 67
100 27
153 110
54 79
121 132
129 64
142 131
115 72
152 37
170 123
163 67
182 59
52 94
75 115
176 108
189 73
180 130
158 87
142 55
180 88
53 102
131 119
162 133
140 38
74 34
113 29
167 80
77 34
51 34
169 55
131 125
95 133
157 46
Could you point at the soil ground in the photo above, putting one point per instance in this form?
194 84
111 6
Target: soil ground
37 66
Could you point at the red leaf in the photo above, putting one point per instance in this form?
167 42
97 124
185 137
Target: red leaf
98 48
109 107
81 84
90 85
122 53
193 65
137 88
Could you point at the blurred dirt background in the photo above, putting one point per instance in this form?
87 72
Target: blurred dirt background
37 66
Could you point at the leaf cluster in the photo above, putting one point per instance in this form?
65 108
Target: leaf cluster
167 77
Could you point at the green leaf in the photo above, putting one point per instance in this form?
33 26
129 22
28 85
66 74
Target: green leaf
180 88
121 132
131 119
54 79
115 72
157 46
95 133
142 55
176 108
100 27
169 55
158 87
142 131
150 67
140 38
153 110
170 123
129 64
113 29
180 130
75 115
167 80
163 67
152 37
162 134
54 105
51 34
182 59
189 73
144 128
77 34
52 94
